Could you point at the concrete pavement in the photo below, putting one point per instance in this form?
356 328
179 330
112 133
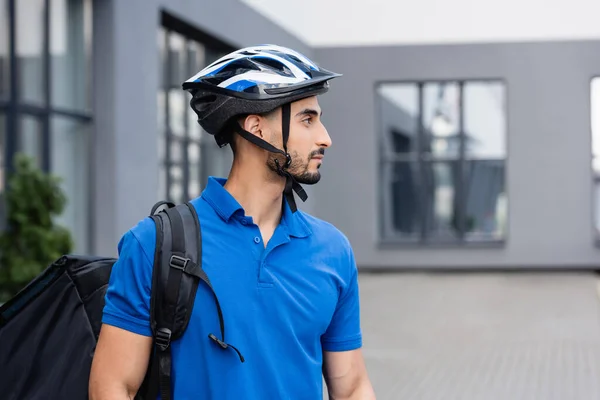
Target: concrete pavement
487 336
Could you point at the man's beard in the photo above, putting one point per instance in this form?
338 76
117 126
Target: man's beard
297 169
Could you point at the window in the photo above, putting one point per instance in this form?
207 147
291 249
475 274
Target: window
44 97
442 152
595 121
187 154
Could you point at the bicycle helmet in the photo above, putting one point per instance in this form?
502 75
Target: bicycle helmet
256 80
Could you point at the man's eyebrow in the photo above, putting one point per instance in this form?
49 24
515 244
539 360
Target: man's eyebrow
309 111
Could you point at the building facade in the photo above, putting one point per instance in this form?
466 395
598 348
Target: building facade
444 156
499 172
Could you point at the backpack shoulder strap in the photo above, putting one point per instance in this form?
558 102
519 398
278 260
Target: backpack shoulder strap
175 278
176 272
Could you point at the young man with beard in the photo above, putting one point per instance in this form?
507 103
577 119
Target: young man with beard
286 281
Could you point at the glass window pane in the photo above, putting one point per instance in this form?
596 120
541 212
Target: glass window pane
70 161
70 33
597 203
596 179
4 66
212 54
215 161
177 112
422 121
486 207
403 211
177 62
160 106
441 200
485 120
595 123
194 152
29 138
29 49
176 193
182 58
176 172
195 131
161 42
196 58
194 185
441 119
178 99
176 186
176 151
595 115
399 117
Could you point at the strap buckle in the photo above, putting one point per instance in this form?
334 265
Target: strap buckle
179 262
163 338
288 159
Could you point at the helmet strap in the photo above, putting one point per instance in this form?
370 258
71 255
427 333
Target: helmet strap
291 185
286 110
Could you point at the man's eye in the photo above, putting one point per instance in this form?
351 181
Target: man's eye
307 120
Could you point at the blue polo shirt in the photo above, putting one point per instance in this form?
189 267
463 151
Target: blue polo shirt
283 305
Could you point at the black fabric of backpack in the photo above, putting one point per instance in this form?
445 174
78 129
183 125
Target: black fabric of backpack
49 330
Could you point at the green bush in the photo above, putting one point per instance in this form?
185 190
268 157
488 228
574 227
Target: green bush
31 240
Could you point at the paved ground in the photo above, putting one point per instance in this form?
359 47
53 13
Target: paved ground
483 336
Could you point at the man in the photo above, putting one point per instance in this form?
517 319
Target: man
286 281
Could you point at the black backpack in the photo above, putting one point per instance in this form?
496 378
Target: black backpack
49 330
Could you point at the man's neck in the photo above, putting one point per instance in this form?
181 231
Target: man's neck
259 191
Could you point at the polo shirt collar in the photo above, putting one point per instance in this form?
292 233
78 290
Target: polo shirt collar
296 223
220 199
225 205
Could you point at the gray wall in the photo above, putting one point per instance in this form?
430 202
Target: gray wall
233 22
125 84
126 81
548 170
549 179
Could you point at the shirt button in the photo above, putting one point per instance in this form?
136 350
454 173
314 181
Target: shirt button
256 239
244 222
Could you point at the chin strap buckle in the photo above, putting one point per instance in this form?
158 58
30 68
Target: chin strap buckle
288 160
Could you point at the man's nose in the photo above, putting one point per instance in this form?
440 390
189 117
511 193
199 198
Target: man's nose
324 140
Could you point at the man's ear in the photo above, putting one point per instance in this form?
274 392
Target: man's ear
252 123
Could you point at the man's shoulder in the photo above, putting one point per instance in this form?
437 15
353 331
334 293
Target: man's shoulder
144 229
143 233
141 236
333 247
325 231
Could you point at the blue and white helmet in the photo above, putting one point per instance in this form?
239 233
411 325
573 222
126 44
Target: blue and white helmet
254 79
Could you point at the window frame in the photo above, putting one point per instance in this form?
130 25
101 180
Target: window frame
594 136
14 107
214 48
386 236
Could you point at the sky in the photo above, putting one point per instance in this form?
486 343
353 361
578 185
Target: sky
351 22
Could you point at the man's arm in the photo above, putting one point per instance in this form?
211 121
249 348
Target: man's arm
344 368
119 365
125 342
346 376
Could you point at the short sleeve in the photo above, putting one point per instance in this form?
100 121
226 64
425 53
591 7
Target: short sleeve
127 299
344 332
